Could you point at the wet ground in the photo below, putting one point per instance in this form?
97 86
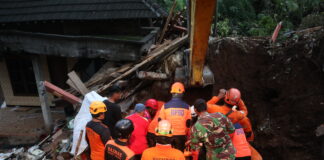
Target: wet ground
23 126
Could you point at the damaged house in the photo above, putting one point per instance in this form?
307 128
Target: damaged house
46 39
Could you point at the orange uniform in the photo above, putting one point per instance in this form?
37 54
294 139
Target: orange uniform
152 126
240 143
117 150
234 116
162 152
154 122
97 135
239 116
178 114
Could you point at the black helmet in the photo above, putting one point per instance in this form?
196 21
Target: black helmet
124 128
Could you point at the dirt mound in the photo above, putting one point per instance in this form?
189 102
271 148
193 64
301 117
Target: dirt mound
282 86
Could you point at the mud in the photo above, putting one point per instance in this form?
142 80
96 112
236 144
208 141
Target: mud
282 84
283 87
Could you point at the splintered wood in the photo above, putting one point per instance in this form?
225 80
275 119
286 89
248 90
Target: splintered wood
175 44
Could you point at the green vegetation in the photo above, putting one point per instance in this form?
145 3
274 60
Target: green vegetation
260 17
168 4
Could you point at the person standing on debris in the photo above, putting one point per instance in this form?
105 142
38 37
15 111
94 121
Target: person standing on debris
163 149
138 141
97 133
117 149
153 124
242 146
114 112
177 112
214 131
226 103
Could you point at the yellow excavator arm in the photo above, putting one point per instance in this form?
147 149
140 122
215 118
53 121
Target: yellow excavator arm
202 12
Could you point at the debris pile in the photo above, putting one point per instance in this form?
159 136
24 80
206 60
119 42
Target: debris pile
57 145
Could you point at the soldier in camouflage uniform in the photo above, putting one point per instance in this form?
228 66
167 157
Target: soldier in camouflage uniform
212 130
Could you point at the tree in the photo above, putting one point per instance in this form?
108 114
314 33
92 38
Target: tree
260 17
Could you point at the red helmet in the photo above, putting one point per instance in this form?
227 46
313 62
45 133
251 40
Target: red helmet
232 96
152 103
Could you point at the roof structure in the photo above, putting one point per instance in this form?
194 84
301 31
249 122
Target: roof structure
75 46
39 10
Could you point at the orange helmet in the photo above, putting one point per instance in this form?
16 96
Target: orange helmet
97 107
164 129
152 103
177 87
232 96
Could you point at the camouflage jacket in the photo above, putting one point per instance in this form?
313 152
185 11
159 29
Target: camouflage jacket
213 131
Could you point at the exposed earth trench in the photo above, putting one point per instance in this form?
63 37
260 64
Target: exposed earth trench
282 85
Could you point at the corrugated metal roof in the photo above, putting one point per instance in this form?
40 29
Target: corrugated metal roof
37 10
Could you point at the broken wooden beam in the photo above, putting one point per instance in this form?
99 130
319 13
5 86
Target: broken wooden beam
167 22
61 93
78 83
180 28
106 73
151 58
72 85
151 75
276 32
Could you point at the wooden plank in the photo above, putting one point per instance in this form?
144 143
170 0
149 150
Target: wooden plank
78 83
72 85
78 145
39 77
105 70
167 22
154 56
61 93
103 79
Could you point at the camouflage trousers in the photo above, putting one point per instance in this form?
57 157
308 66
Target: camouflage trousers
220 154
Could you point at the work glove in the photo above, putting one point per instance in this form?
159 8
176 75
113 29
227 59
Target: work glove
221 93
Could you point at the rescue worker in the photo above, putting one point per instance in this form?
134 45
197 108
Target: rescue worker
226 103
97 133
153 125
177 112
153 104
138 141
114 112
151 108
163 149
117 149
213 131
242 146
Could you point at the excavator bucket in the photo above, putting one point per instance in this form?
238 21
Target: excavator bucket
208 77
202 12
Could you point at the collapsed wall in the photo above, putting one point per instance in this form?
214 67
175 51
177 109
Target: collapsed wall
283 87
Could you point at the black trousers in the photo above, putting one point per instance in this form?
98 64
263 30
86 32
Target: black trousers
138 157
202 153
178 142
151 141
